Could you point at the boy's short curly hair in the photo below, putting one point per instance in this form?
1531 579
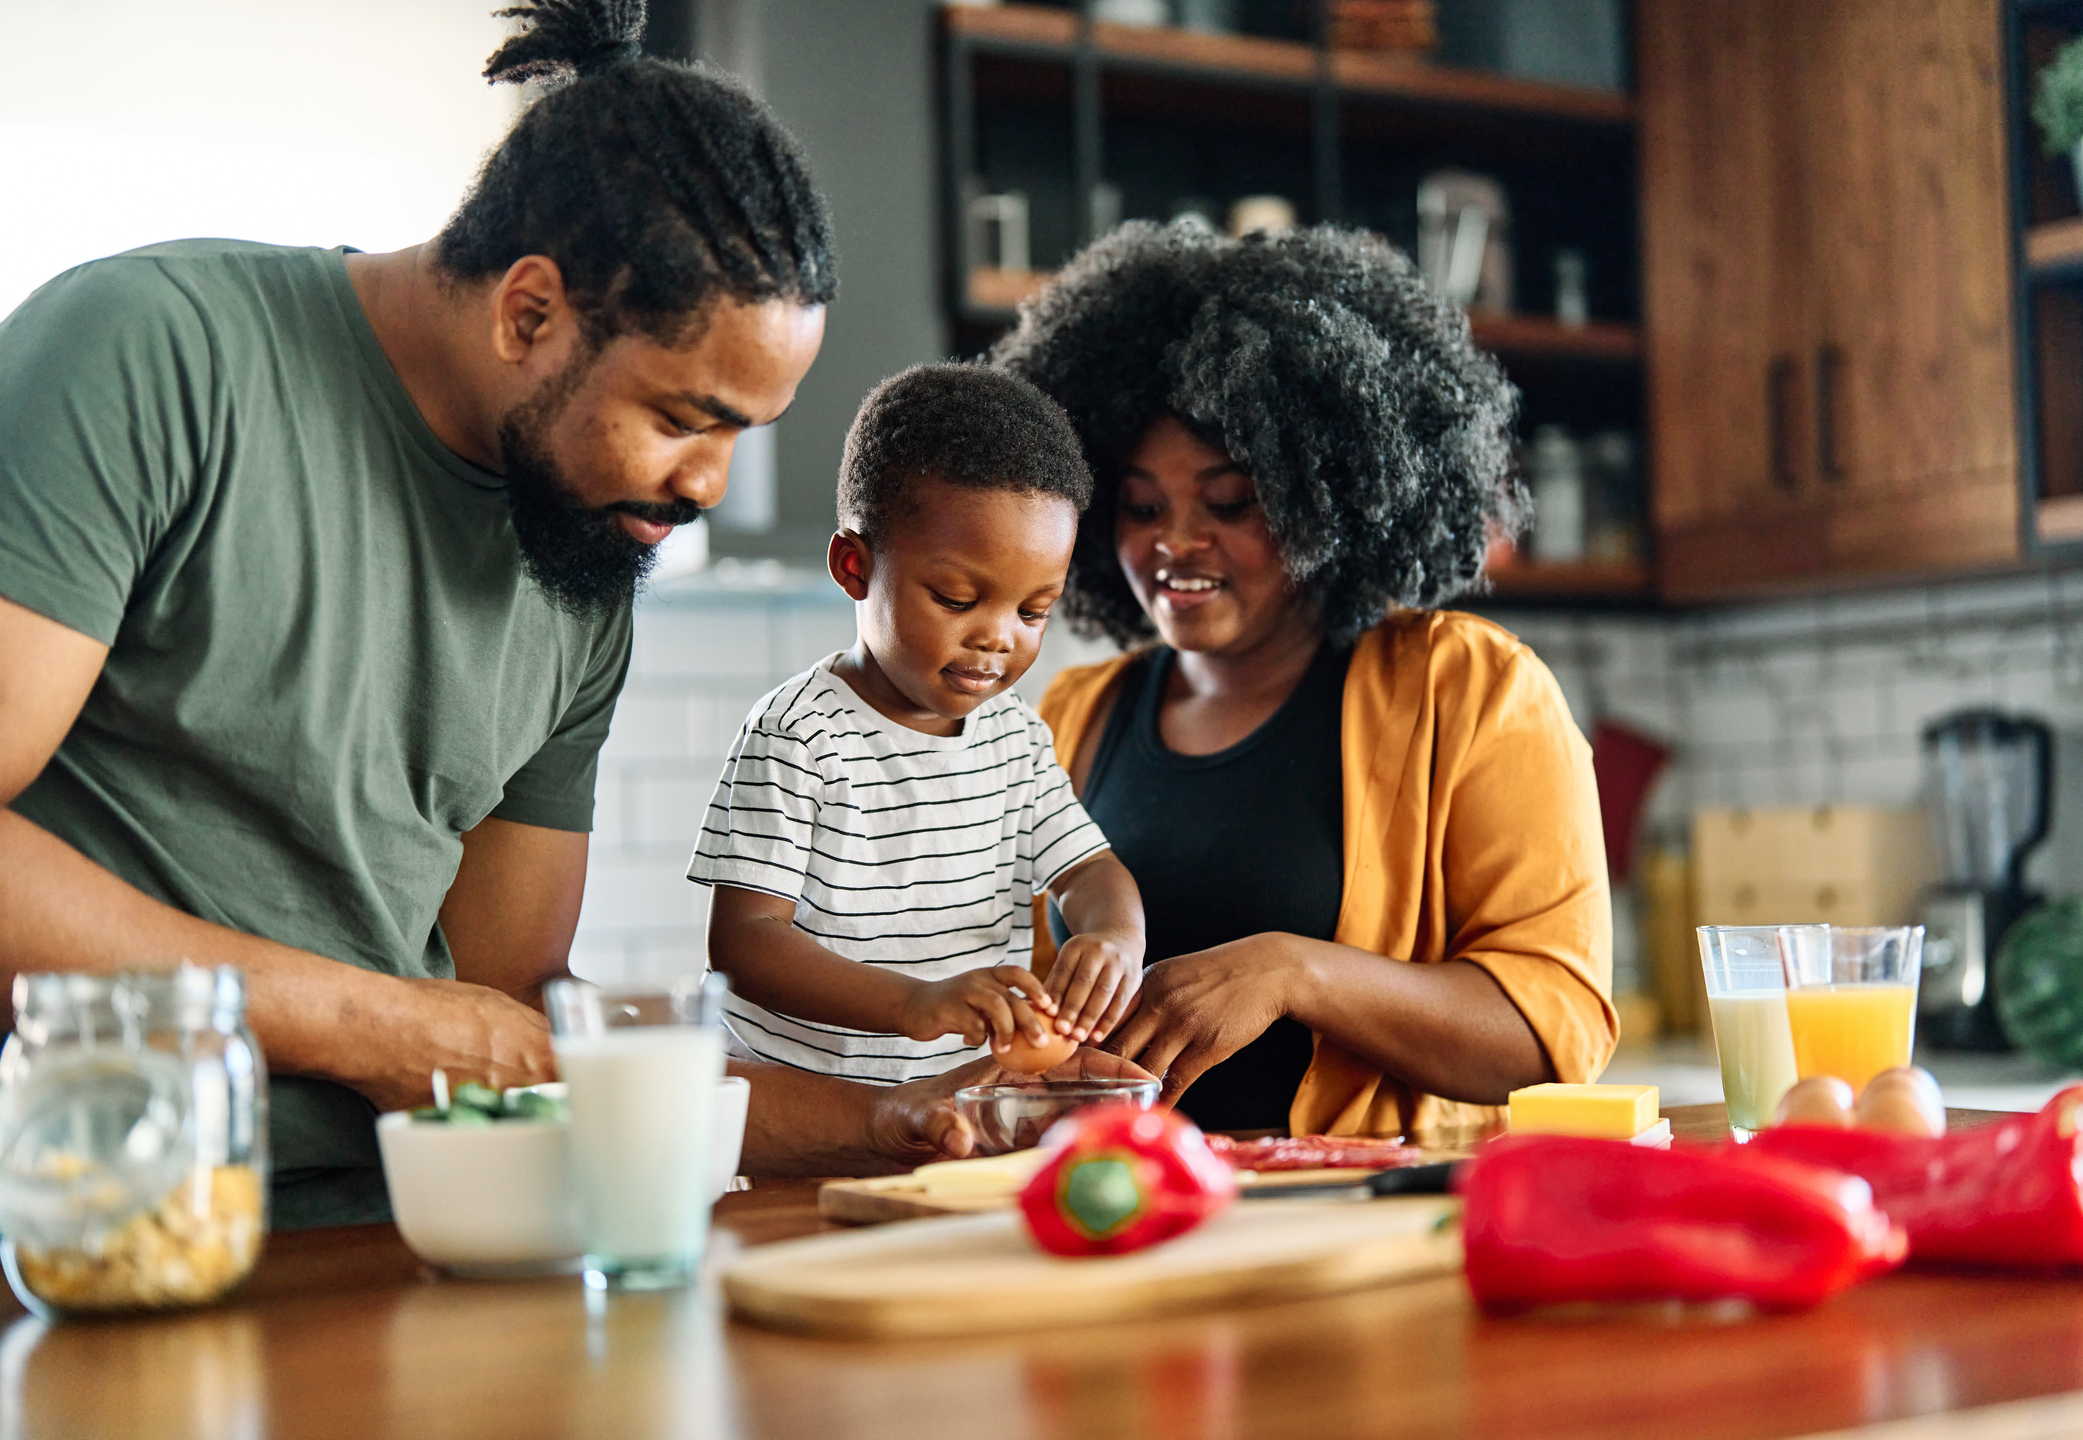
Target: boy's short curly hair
1377 435
966 423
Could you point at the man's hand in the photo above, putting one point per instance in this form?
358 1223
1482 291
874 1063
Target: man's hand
1094 983
997 1004
1198 1010
913 1123
470 1031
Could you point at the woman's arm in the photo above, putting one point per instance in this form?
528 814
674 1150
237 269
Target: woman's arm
1445 1029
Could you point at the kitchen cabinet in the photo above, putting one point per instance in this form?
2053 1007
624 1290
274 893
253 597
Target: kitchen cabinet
1826 291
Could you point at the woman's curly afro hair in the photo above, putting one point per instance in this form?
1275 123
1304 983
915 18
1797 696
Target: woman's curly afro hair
1377 435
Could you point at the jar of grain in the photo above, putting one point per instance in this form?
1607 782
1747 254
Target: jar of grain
133 1141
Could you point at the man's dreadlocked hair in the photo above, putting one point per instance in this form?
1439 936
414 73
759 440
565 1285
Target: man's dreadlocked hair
654 185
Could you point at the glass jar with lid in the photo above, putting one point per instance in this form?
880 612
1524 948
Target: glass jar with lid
133 1140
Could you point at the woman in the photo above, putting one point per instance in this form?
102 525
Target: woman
1314 775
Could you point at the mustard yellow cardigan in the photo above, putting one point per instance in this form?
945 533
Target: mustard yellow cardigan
1471 833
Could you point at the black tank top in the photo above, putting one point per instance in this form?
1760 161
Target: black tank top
1237 843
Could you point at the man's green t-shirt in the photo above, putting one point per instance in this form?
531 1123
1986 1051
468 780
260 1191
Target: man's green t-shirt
325 660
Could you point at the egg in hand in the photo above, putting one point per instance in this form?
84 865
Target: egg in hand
1024 1057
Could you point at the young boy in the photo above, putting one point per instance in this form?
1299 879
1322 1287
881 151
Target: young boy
886 818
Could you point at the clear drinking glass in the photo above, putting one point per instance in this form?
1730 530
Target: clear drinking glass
1852 1005
1746 998
642 1070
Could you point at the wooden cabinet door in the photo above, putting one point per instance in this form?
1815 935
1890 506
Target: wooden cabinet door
1914 401
1723 266
1826 283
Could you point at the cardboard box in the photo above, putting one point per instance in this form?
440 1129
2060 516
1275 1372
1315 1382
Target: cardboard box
1840 864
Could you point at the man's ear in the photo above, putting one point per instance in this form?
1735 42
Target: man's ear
851 563
530 309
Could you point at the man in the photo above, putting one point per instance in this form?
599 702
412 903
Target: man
316 571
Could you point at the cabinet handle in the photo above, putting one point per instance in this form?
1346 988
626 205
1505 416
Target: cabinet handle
1779 404
1829 361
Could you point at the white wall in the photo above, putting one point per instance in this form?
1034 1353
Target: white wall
313 122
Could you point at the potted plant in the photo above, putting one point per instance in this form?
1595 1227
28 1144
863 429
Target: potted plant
2057 106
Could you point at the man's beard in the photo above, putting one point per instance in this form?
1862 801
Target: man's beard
581 558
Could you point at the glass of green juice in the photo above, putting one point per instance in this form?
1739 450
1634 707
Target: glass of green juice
1746 968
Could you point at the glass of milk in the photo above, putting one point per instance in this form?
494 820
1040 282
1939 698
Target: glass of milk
642 1071
1746 997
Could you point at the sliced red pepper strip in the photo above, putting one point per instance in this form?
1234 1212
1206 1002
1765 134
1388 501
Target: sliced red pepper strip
1553 1220
1122 1179
2003 1195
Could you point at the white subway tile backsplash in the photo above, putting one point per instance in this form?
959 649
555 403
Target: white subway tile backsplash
648 726
646 891
805 632
669 812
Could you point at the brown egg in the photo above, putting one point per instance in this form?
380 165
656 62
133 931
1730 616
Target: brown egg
1024 1057
1818 1100
1902 1101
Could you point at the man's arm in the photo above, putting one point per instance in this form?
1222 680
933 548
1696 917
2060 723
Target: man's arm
314 1016
804 1124
514 905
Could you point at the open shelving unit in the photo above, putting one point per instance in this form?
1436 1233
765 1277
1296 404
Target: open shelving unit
2047 216
1049 102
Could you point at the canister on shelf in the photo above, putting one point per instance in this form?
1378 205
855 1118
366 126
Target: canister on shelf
1558 496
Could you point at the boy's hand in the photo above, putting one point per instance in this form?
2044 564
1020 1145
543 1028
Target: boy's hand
1094 982
992 1004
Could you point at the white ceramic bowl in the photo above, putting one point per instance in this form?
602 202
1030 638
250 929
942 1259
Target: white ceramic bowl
733 1095
491 1200
483 1199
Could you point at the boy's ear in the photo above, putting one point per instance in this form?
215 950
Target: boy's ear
851 563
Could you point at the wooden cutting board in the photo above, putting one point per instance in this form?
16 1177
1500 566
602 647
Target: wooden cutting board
899 1197
971 1274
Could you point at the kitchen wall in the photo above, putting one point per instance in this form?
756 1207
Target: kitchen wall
854 83
1795 703
322 122
1813 702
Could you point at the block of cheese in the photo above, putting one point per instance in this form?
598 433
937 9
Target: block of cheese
1006 1174
1603 1112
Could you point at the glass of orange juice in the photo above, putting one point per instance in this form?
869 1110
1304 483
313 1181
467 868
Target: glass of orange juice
1851 1005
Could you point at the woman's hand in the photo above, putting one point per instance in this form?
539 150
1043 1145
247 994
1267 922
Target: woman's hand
1198 1010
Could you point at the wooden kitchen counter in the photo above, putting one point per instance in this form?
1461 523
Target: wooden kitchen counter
343 1334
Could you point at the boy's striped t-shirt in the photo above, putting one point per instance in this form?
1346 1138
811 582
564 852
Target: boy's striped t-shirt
919 852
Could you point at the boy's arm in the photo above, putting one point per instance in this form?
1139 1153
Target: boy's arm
1100 967
754 940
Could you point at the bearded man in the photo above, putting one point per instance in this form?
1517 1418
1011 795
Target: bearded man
316 572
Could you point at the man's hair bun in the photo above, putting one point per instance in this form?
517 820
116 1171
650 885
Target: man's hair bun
563 39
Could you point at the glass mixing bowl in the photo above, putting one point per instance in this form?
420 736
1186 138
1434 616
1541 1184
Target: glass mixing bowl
1015 1116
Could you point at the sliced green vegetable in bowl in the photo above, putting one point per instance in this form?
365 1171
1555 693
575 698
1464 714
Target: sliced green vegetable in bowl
474 1104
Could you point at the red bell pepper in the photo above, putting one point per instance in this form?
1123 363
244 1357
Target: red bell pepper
1122 1179
2004 1195
1552 1220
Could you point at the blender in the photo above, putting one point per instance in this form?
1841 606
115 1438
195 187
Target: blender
1989 779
